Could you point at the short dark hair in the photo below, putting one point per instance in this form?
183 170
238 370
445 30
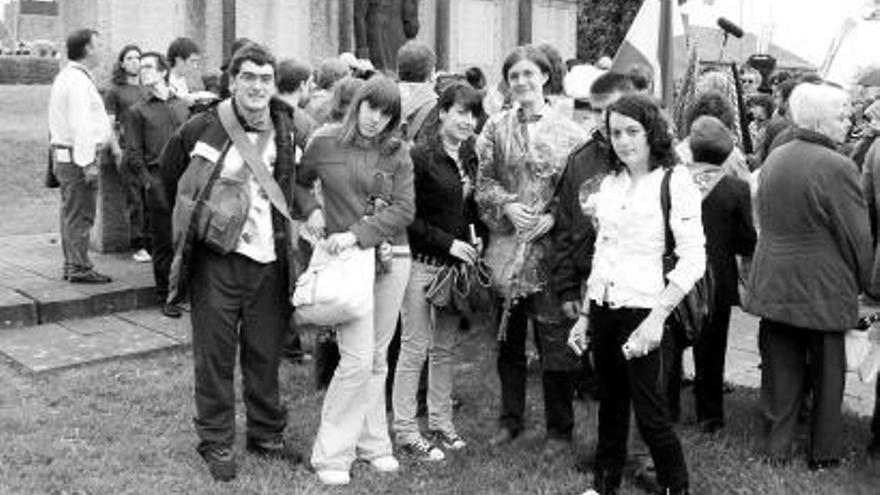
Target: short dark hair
161 61
527 52
762 100
714 104
612 82
415 62
343 93
258 54
475 77
381 93
182 48
554 84
330 71
77 43
292 75
642 76
646 112
463 94
710 140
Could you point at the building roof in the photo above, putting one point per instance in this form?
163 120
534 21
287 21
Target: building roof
709 40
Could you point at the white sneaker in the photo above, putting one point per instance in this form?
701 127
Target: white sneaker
423 450
386 464
142 256
332 477
591 492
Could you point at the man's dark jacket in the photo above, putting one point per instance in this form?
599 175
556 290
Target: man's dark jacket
206 130
574 234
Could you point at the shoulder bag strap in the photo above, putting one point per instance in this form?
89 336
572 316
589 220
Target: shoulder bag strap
253 157
665 206
419 120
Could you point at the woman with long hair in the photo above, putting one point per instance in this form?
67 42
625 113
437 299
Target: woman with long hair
522 154
366 179
629 297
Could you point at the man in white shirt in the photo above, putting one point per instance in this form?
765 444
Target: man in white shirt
78 127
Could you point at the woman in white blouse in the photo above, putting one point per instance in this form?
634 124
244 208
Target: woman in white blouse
628 297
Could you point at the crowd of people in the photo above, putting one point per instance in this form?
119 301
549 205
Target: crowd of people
594 216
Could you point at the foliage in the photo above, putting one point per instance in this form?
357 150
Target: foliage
602 25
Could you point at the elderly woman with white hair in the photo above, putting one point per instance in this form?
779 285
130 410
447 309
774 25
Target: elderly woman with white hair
812 260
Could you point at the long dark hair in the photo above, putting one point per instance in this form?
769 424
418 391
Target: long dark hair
645 111
119 74
383 94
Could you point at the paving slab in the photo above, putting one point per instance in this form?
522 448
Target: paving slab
16 310
52 346
178 329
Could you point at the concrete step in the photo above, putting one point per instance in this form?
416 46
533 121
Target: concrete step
75 342
32 291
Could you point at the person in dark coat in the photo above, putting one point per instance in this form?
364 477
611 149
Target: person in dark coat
381 27
727 223
812 260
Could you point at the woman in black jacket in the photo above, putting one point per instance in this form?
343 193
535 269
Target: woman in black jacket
440 236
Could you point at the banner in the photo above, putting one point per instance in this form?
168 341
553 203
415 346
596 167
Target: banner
38 7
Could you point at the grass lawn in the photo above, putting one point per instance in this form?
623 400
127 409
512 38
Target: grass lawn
27 207
125 427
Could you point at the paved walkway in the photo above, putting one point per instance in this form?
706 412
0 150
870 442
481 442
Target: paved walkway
47 324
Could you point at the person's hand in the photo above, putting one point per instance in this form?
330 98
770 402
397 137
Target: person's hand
521 216
577 336
571 309
542 226
463 251
90 173
315 226
339 242
647 336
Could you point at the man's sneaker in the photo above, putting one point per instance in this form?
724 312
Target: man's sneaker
449 441
221 463
385 464
142 256
88 277
278 450
422 450
333 477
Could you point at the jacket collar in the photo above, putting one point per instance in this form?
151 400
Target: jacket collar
814 137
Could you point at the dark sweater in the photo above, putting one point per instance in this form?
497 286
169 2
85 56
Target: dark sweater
148 127
727 223
814 254
442 212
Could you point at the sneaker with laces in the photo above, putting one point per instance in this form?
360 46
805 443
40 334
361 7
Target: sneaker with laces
385 464
448 441
276 450
142 256
334 477
221 463
423 450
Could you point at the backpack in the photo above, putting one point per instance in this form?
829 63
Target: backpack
693 314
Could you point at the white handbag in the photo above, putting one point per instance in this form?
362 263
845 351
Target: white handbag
335 289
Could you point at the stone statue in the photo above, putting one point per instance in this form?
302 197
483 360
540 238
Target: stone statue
381 27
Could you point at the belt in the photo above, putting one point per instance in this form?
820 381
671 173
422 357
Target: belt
430 260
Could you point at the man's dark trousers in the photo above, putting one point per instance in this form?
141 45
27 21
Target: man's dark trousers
791 357
225 291
77 215
558 385
161 242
